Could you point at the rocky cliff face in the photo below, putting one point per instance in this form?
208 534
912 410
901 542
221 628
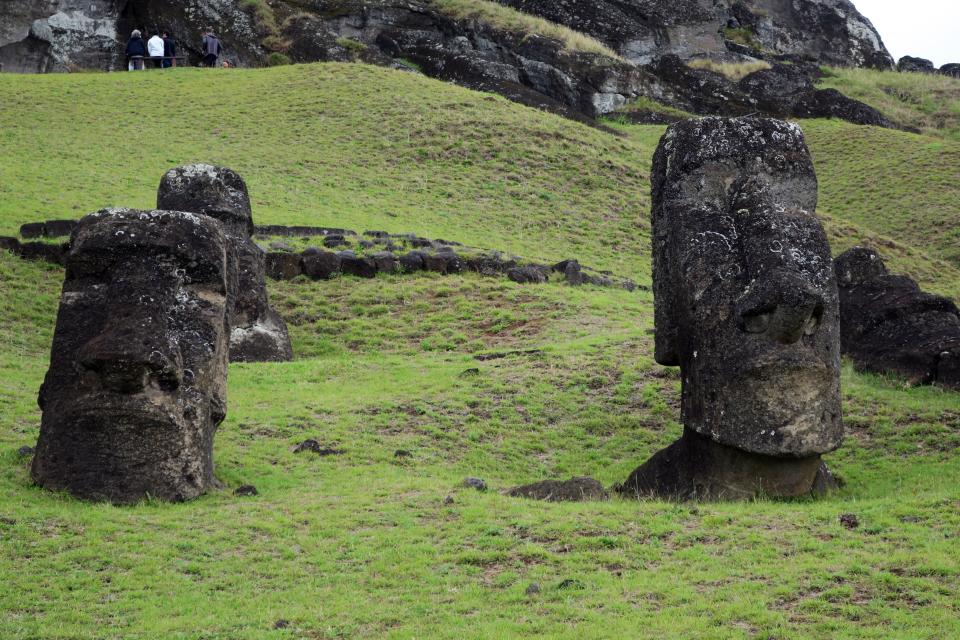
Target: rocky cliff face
60 35
829 32
654 37
52 35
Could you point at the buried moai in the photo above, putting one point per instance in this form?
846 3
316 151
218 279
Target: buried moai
746 304
888 325
258 333
138 368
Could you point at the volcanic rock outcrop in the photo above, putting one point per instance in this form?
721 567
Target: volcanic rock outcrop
530 64
915 65
745 303
783 90
257 332
138 368
888 325
830 32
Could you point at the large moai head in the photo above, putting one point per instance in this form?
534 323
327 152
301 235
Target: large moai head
745 296
217 192
258 334
746 304
138 368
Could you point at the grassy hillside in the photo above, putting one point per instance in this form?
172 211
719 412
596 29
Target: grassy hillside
365 544
927 102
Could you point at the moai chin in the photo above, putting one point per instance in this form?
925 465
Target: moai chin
138 368
746 304
258 333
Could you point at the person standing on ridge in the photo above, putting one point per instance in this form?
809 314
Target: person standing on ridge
155 48
211 48
169 51
136 51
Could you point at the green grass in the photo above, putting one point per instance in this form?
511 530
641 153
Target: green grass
509 19
928 102
365 544
734 71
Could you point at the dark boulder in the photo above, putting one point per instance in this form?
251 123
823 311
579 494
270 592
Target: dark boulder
531 274
830 103
283 266
572 272
475 483
59 228
952 69
578 489
353 265
443 262
745 302
33 230
52 253
386 262
335 240
489 264
783 90
412 261
258 333
10 244
320 265
138 368
888 325
915 65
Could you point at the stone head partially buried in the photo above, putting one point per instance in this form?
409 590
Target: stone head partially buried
745 295
137 380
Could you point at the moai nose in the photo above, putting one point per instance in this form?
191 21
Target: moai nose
784 307
128 360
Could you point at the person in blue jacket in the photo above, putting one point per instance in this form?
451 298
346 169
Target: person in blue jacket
136 51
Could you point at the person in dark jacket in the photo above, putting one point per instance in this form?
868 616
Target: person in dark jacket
136 51
169 51
211 48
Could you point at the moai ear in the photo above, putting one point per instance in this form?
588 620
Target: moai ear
666 347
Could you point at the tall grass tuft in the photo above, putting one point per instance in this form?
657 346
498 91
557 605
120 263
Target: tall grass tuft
734 71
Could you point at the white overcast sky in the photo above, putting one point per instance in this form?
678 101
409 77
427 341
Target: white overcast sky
924 28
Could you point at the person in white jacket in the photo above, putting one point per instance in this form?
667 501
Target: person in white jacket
155 49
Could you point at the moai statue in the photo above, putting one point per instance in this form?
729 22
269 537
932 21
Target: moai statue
888 325
746 304
138 369
258 333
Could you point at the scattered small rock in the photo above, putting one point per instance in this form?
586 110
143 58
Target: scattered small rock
448 500
850 520
533 588
281 624
25 451
402 453
466 373
475 483
314 446
335 240
246 490
571 583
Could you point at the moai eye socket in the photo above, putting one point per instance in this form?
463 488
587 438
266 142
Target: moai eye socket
813 322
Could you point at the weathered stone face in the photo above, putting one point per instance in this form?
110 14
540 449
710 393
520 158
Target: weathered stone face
745 297
138 368
258 334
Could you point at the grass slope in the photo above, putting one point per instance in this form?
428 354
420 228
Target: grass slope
365 544
924 101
